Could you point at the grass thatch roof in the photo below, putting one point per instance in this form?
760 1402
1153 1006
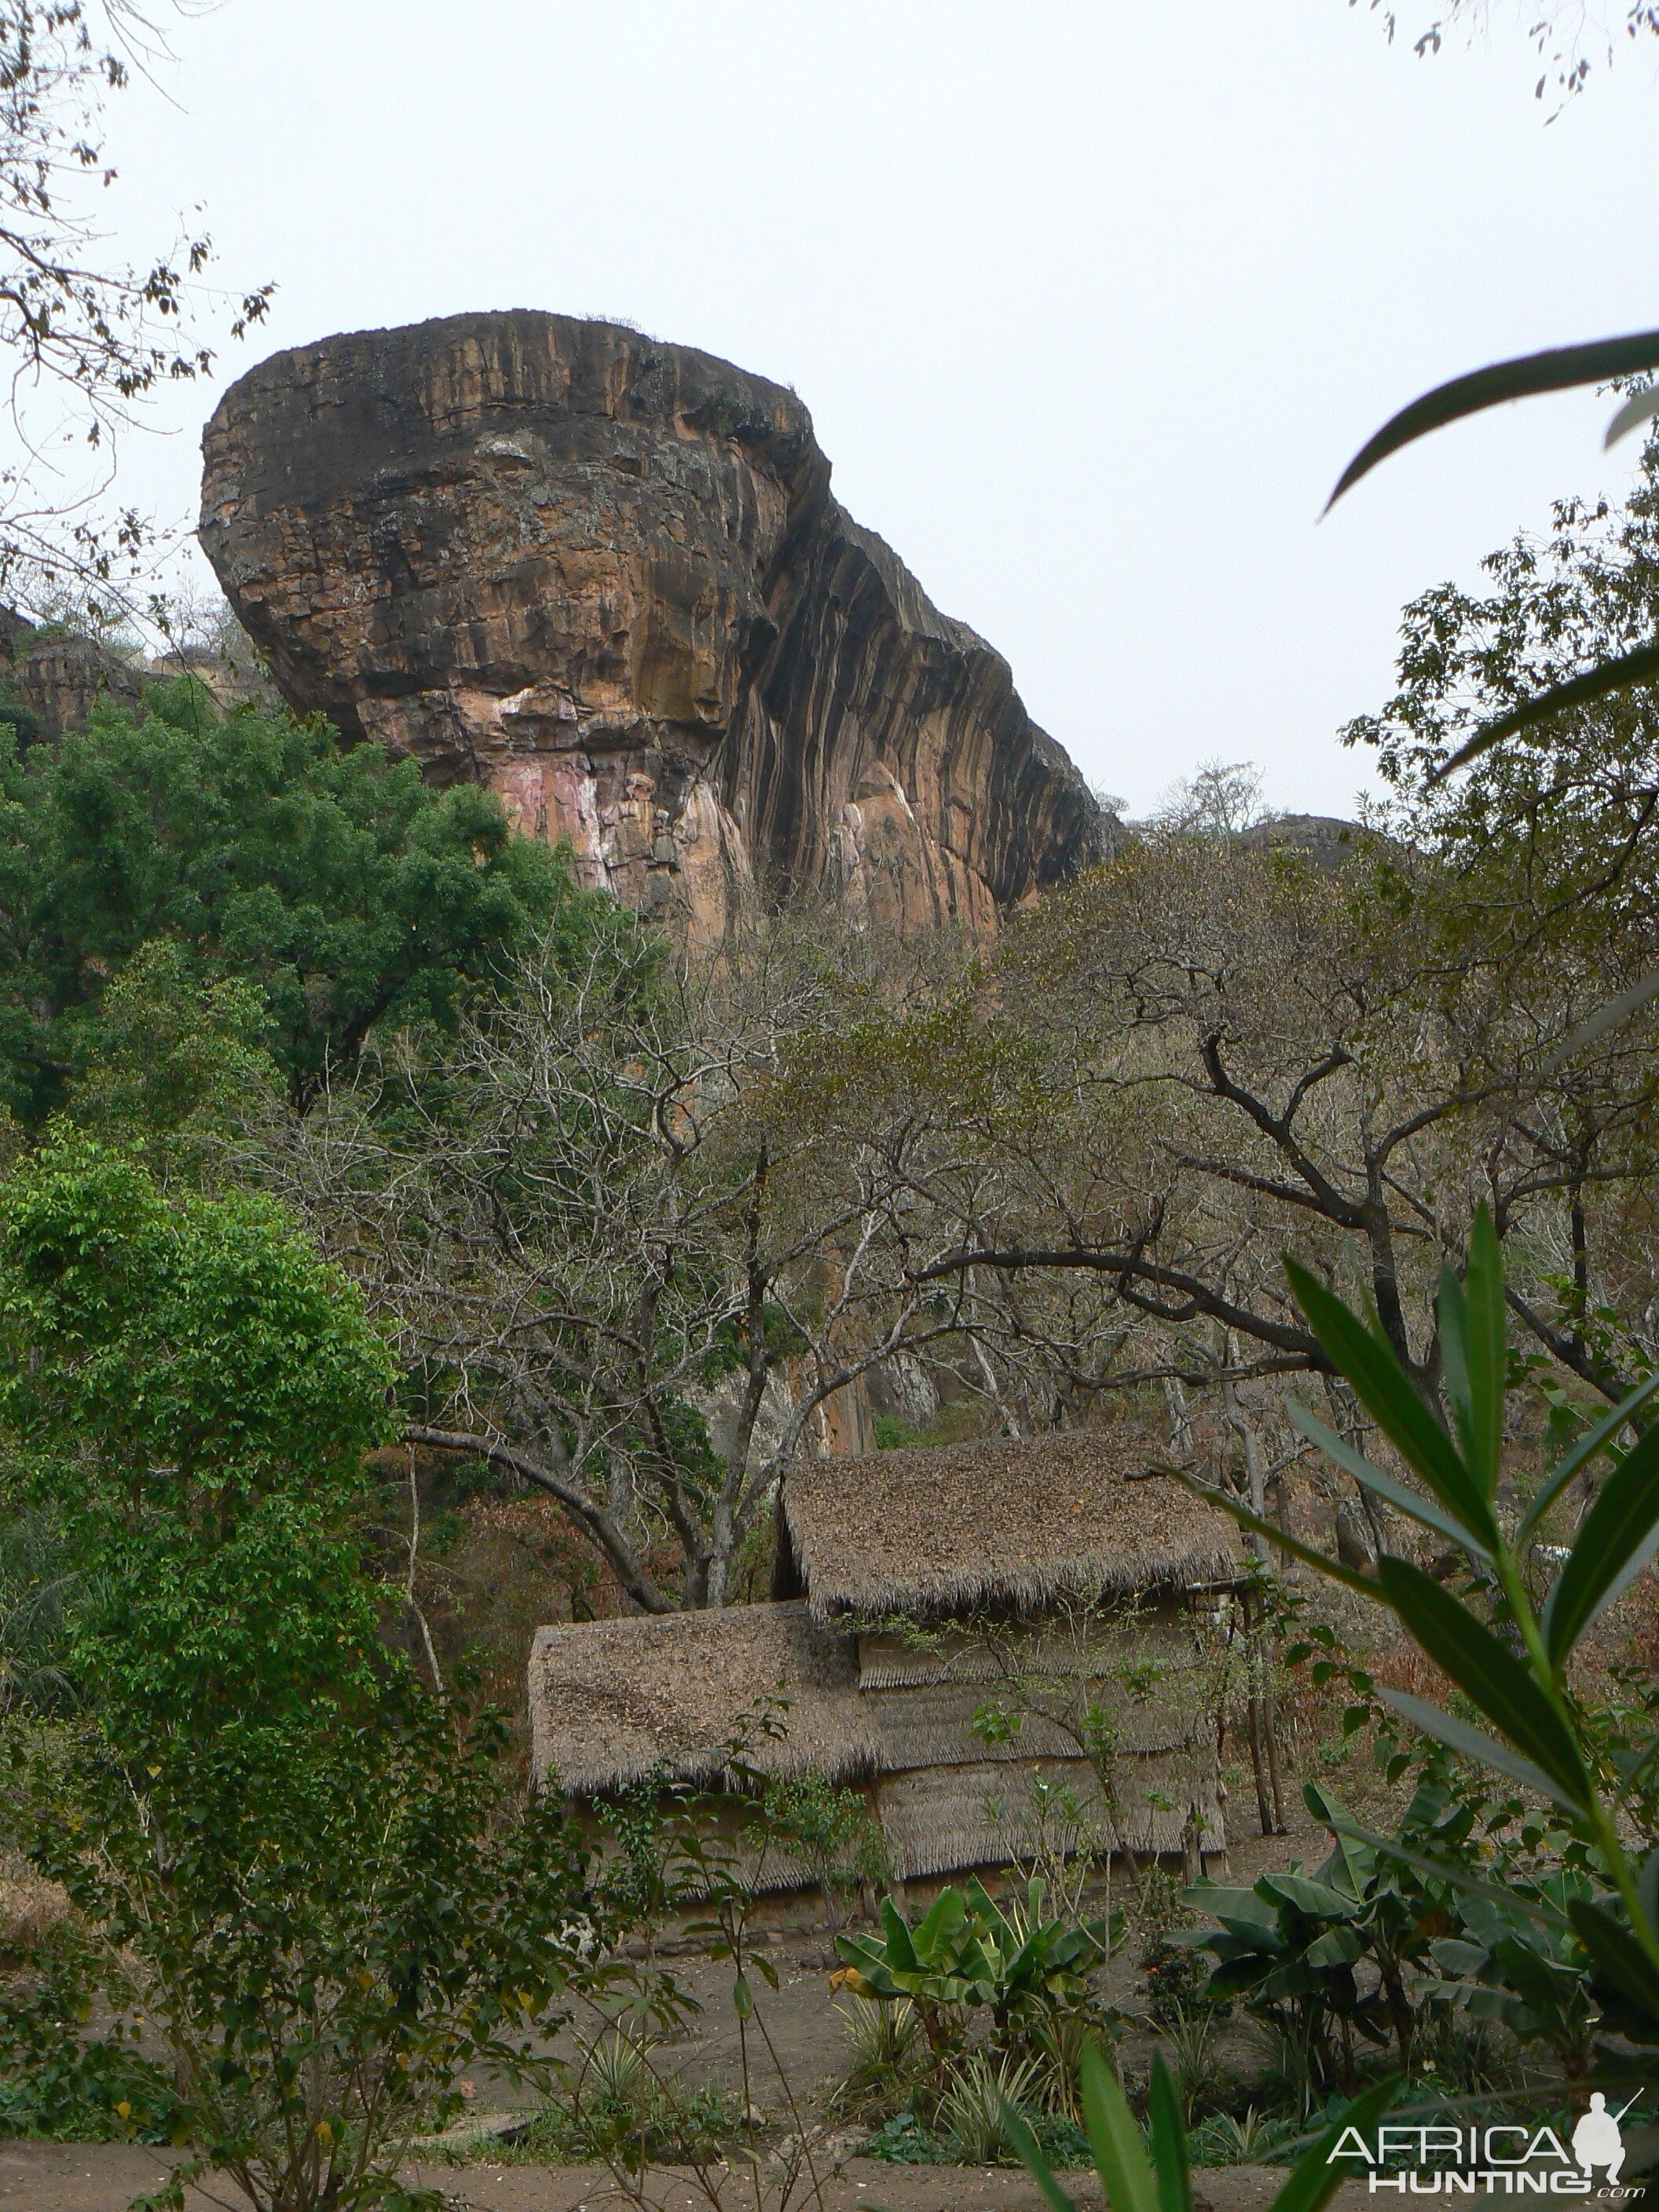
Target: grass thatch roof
611 1699
942 1532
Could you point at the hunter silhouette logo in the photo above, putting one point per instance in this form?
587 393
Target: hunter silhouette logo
1503 2157
1596 2141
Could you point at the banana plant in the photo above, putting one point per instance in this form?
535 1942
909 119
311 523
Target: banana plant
1533 1979
1289 1946
969 1951
1132 2182
1514 1673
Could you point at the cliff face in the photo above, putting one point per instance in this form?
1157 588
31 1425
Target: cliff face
606 577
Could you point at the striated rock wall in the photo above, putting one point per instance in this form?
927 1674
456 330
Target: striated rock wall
606 576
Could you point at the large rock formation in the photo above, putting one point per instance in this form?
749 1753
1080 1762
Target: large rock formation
606 576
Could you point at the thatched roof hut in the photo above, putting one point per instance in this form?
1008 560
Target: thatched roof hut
1005 1523
611 1701
1029 1539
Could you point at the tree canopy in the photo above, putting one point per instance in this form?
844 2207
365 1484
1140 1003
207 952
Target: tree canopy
333 883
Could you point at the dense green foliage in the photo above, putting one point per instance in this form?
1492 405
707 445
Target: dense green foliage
332 884
293 1862
1460 1914
193 1391
1508 1656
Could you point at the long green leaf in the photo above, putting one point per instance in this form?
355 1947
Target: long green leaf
1316 2176
1557 370
1411 1503
1114 2138
1031 2157
1331 1813
1174 2187
1586 1449
1486 1671
1637 1563
901 1951
1350 1577
1445 1728
944 1923
1317 1900
1641 666
1616 1956
1622 1520
1487 1351
1385 1390
1454 1351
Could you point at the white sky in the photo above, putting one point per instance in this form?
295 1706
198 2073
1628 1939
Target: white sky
1090 301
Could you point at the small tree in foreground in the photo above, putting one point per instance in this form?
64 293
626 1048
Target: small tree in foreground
284 1855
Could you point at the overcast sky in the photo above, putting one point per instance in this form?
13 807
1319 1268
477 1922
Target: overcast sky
1090 301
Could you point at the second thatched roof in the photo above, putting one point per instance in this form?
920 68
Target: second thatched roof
613 1701
1022 1523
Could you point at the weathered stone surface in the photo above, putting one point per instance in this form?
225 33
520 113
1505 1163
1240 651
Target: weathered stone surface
57 680
606 576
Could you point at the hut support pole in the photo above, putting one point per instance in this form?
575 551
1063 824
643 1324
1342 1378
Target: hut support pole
1270 1730
1252 1711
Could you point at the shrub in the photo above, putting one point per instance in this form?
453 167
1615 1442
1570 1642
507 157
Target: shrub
888 2053
973 2109
831 1830
1175 1976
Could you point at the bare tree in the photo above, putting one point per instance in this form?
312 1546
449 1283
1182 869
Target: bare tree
1230 1055
616 1267
89 338
1222 800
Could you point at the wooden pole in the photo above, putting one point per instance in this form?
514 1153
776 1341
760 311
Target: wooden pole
1253 1711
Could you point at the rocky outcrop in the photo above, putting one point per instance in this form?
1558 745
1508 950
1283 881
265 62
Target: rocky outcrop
51 680
606 576
1326 839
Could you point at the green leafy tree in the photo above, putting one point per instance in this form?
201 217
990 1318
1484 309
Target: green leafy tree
178 1060
334 881
300 1868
